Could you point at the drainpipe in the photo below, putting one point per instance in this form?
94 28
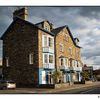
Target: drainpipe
55 51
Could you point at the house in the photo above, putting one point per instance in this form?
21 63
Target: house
96 74
89 70
32 52
67 54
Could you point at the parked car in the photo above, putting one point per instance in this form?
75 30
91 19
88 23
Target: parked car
7 84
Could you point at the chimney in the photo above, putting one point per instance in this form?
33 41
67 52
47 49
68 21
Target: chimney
21 13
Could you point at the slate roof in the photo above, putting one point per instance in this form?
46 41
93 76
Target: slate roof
54 32
43 22
18 18
57 30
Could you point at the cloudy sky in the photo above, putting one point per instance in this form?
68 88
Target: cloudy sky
84 23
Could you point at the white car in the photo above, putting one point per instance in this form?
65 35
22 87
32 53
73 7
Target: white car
7 84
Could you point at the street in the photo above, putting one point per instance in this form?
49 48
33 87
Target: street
89 90
92 91
93 88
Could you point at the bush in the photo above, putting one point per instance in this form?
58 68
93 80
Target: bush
57 76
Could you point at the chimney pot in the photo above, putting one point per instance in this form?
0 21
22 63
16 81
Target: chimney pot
21 13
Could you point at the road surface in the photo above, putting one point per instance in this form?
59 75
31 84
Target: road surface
89 90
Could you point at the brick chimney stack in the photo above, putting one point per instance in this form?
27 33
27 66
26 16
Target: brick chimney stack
21 12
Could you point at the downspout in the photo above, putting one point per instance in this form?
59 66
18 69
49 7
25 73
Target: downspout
55 51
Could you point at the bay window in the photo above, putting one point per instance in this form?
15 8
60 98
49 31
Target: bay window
47 41
45 58
50 42
48 58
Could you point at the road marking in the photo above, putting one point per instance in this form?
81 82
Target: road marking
87 91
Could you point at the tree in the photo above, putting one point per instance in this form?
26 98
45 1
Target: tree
86 75
57 76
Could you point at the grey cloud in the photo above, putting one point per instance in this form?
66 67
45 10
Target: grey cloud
92 12
82 21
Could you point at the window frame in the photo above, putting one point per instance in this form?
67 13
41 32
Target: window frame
7 61
52 59
31 58
50 41
48 60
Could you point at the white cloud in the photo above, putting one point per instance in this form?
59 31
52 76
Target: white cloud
83 22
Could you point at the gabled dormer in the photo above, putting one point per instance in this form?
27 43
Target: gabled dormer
45 25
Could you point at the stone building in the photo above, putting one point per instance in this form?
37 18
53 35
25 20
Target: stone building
32 52
67 54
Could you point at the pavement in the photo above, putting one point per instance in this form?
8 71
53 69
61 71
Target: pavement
69 89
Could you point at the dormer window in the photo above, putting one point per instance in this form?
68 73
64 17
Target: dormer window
46 28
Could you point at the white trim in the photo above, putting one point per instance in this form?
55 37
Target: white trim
48 64
47 39
31 58
7 61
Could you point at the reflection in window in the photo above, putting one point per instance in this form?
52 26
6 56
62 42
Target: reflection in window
50 42
50 58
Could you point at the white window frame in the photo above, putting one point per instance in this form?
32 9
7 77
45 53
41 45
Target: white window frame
47 41
66 62
43 41
53 58
44 58
52 41
31 58
7 61
47 58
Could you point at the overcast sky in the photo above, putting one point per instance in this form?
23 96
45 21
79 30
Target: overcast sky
84 23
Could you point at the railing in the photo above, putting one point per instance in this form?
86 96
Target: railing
48 49
48 66
71 68
64 67
77 68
